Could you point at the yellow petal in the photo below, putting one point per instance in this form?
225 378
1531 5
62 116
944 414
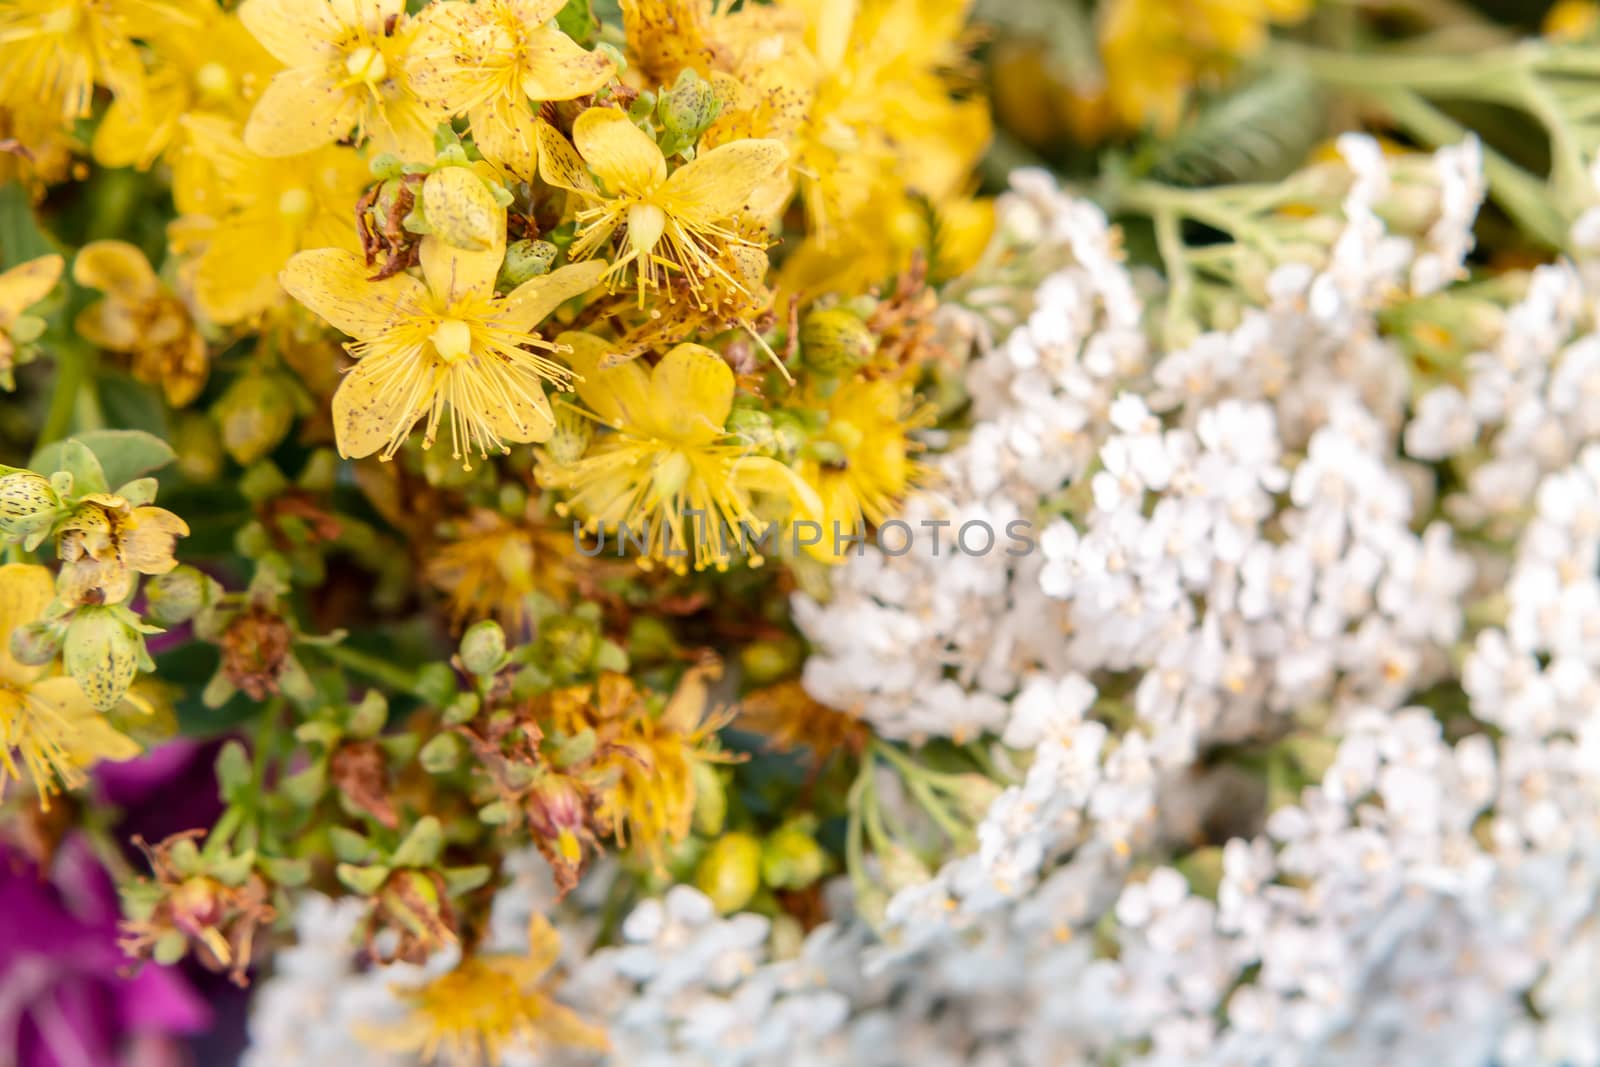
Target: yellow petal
620 395
555 67
370 409
83 732
532 302
335 284
562 1026
544 945
560 164
692 389
116 268
148 538
296 32
303 109
510 399
28 283
622 155
455 274
461 210
506 131
25 590
109 324
762 474
722 181
237 274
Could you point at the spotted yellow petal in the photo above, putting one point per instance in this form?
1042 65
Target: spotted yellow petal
116 268
149 536
532 302
26 284
83 732
454 274
336 285
620 395
379 401
557 68
25 589
624 157
302 109
560 164
506 131
721 182
692 389
296 32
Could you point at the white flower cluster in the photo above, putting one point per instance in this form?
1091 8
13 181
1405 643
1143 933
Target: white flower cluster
1253 547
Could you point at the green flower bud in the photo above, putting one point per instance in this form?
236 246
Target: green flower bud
102 655
835 341
437 684
650 640
791 857
483 647
177 596
571 436
255 415
769 661
789 434
461 210
386 165
526 259
442 754
566 645
689 106
29 506
198 443
710 800
754 426
36 644
730 872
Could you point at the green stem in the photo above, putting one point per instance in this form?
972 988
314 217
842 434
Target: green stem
379 670
73 363
1523 196
917 780
1489 77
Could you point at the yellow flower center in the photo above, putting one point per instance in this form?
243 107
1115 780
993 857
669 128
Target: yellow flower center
366 64
295 203
670 474
214 81
452 339
847 434
645 225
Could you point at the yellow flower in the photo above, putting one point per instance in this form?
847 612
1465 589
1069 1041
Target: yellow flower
488 59
680 223
20 288
1156 51
140 317
48 729
446 342
347 72
494 565
490 1004
1571 20
54 52
243 216
870 468
669 457
107 540
212 66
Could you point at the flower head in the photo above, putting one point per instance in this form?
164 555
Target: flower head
488 59
446 342
346 72
674 225
48 729
671 473
488 1005
54 52
868 467
20 288
108 540
243 216
493 566
141 318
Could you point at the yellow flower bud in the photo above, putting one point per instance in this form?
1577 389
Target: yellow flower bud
835 341
461 210
28 505
102 655
254 415
730 872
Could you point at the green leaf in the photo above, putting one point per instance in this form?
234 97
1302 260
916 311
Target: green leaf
577 21
123 455
1258 132
20 236
77 459
234 774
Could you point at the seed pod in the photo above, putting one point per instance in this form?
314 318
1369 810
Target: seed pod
835 341
462 210
101 654
28 505
483 647
730 872
791 857
526 259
